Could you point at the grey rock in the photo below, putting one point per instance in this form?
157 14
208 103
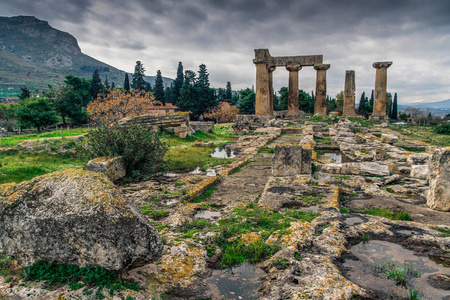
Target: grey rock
74 217
113 167
439 180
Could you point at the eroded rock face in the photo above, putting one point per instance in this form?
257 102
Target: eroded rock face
439 180
74 217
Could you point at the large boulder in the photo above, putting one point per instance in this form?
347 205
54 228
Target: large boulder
363 168
389 138
113 167
74 217
439 180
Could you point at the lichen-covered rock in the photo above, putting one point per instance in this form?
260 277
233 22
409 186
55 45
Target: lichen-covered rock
113 167
439 179
74 217
389 138
418 159
419 171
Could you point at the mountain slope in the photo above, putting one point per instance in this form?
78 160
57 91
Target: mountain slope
34 54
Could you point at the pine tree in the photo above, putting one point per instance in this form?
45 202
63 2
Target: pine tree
228 92
126 83
362 104
148 86
24 93
107 87
203 77
371 103
96 85
168 96
113 86
138 81
394 108
177 83
159 88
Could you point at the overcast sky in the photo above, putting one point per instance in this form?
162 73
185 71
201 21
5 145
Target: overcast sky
351 35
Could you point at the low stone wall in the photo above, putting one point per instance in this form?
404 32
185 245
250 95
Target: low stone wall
245 123
203 126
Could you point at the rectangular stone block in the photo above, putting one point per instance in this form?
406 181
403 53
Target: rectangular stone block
291 160
113 167
439 180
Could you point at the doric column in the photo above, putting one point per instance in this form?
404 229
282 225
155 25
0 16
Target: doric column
262 100
271 69
320 106
293 109
349 94
379 103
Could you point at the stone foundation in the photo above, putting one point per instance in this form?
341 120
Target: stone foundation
203 126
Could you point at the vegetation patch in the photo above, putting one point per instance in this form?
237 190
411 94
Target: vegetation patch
18 167
76 277
386 213
206 194
445 232
265 149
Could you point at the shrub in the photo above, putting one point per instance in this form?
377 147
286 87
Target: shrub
140 147
443 128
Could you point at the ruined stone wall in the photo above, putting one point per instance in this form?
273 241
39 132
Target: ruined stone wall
203 126
162 121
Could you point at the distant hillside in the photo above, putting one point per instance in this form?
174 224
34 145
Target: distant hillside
439 108
34 54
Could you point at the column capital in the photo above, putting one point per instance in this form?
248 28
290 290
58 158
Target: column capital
322 67
382 64
293 68
271 68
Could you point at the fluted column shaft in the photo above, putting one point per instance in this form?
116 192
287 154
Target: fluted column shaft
271 69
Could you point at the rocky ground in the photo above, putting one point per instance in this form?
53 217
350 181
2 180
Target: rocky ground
301 232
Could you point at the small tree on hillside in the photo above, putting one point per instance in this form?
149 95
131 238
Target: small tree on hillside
138 82
394 108
24 93
178 83
228 93
96 85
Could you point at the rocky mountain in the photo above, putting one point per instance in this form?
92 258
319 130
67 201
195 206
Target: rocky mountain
34 54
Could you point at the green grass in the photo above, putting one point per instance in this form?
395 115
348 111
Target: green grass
17 167
238 252
344 210
206 194
76 277
265 149
445 232
363 122
424 134
386 213
16 139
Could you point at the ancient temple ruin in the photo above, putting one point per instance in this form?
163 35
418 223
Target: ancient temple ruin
266 64
379 106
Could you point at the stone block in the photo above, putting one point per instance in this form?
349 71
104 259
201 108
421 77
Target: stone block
389 138
268 130
113 167
362 168
419 171
203 126
439 180
181 132
290 160
360 138
418 159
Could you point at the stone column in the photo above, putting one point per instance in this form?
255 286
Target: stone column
379 103
349 94
320 106
271 69
262 100
293 107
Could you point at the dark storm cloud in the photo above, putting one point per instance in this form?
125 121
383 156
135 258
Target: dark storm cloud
350 34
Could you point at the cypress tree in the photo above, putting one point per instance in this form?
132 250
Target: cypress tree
168 97
362 104
159 88
96 85
394 108
138 81
228 92
24 93
371 103
126 83
148 86
113 86
107 87
177 83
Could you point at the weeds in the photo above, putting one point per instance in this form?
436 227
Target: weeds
206 194
366 238
344 210
265 149
445 232
386 213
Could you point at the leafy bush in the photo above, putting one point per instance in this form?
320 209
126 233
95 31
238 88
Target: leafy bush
443 128
140 147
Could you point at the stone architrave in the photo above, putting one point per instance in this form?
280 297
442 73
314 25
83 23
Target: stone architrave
379 105
320 106
439 180
271 69
262 99
293 105
349 94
